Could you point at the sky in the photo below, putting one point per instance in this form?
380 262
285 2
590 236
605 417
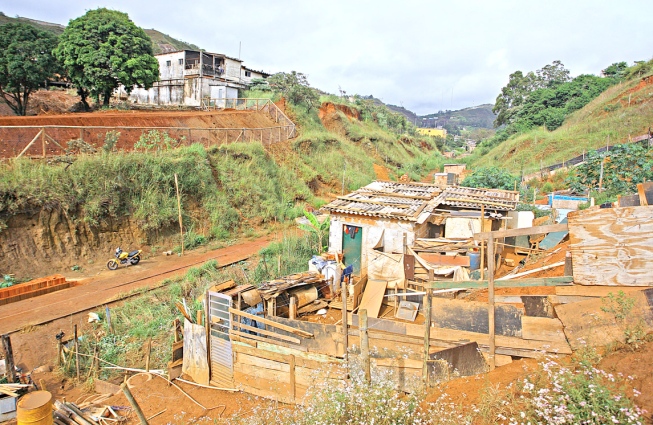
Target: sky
423 55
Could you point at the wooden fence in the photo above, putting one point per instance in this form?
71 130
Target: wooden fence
53 140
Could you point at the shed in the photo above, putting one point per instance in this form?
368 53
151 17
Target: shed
389 216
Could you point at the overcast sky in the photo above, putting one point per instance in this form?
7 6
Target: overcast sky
423 55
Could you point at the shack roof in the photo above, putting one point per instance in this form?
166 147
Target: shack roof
413 201
474 198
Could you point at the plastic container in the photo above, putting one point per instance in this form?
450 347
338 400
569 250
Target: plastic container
474 260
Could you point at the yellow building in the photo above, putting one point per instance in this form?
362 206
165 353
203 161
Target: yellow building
433 132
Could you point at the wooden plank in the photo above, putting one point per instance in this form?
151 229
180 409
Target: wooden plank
543 329
269 333
505 344
483 236
373 297
271 323
437 259
642 195
612 246
474 284
262 339
301 359
587 323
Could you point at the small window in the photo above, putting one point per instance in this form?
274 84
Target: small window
181 61
248 73
168 63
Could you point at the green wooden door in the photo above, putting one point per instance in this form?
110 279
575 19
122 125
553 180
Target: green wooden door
352 243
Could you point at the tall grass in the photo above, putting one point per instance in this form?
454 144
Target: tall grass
622 111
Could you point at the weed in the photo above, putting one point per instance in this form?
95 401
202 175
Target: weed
621 305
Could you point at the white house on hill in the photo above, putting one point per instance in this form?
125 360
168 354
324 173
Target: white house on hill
188 76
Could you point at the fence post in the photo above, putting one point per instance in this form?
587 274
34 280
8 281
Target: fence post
43 140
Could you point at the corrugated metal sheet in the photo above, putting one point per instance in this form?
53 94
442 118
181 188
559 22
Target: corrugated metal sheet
397 200
416 201
468 197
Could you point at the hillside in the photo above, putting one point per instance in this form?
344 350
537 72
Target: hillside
476 116
161 43
621 112
117 198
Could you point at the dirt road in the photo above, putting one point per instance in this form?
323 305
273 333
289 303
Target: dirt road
109 286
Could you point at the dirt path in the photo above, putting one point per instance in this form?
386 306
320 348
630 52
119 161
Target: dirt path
109 286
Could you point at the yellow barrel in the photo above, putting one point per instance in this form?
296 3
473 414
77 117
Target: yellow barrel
35 408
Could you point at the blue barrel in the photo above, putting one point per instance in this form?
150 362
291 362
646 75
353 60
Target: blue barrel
474 260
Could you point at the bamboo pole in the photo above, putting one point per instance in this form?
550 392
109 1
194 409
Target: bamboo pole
43 141
490 276
365 346
29 145
132 401
181 226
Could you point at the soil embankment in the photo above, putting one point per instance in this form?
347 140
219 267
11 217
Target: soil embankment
192 128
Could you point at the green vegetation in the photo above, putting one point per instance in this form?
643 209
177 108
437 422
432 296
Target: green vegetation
624 166
150 314
103 49
25 63
491 177
615 114
163 43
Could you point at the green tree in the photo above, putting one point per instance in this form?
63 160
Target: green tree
520 86
491 178
616 70
103 49
295 88
26 63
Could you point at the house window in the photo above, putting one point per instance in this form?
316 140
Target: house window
181 61
248 73
168 63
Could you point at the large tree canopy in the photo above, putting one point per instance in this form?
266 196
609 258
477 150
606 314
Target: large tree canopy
26 62
520 86
104 49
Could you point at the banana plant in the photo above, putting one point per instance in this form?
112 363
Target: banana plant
320 230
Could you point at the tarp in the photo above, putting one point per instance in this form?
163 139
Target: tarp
387 267
195 362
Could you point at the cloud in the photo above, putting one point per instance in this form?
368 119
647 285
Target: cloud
423 54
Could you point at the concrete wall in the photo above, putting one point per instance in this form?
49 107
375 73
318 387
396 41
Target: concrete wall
175 69
233 68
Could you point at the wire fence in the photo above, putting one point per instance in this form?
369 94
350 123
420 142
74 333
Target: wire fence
55 140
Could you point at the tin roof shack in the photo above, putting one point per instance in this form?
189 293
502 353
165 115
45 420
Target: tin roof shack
388 217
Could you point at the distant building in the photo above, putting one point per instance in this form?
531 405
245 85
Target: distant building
188 76
435 132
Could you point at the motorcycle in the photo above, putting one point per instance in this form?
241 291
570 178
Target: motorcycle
132 257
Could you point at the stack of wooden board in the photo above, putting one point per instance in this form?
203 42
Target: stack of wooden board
274 287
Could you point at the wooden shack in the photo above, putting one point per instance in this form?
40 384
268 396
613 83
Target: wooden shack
390 216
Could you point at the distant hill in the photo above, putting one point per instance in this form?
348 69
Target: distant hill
410 115
161 43
476 116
